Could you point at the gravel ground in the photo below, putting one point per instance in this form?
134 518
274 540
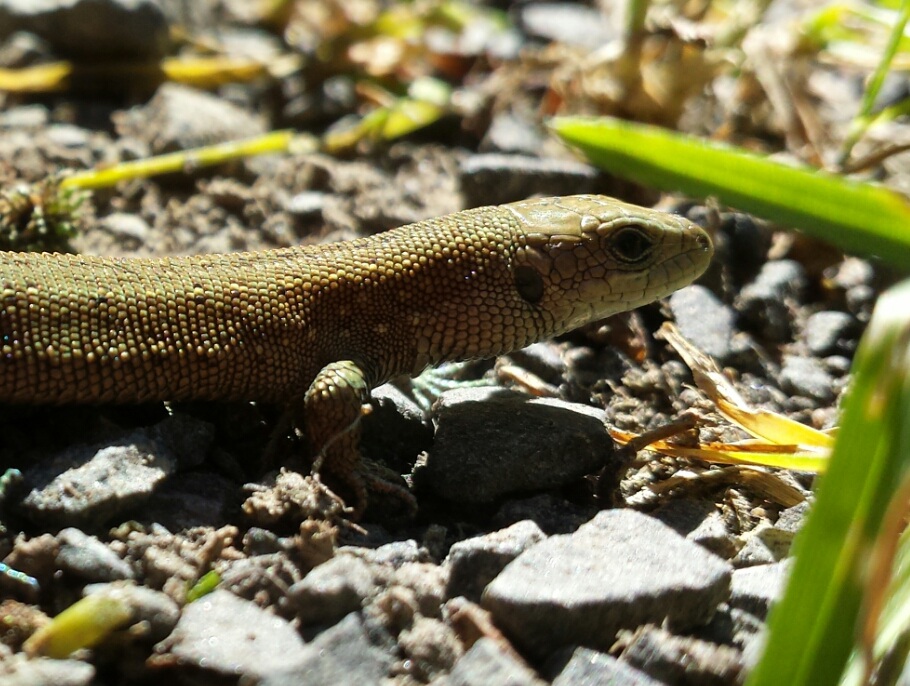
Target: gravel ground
539 553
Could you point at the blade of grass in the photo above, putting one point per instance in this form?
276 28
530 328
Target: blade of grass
864 117
267 144
813 628
858 217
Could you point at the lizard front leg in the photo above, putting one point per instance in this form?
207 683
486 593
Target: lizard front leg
333 407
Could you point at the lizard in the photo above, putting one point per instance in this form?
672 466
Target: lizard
316 327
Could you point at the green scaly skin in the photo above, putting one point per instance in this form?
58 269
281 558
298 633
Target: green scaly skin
317 327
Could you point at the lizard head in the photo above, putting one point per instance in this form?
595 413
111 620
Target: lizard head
585 257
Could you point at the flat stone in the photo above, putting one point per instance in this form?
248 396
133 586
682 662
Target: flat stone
89 485
698 521
397 429
513 133
486 664
568 23
133 29
747 240
475 562
703 319
588 667
754 589
554 515
89 559
543 359
396 554
130 229
807 376
333 589
25 117
342 654
830 332
682 659
179 117
153 614
620 570
494 178
793 518
43 671
235 638
490 443
765 303
431 646
195 499
763 545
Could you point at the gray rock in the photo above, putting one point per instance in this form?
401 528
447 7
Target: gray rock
68 136
23 49
193 499
807 376
792 518
754 589
43 671
554 515
858 278
543 359
154 611
25 117
131 230
235 638
423 582
397 430
179 117
591 668
829 332
492 178
396 554
699 521
510 132
88 558
747 239
568 23
620 570
490 442
734 627
431 646
92 484
486 664
132 29
704 320
475 562
307 205
343 654
765 303
763 545
682 659
333 589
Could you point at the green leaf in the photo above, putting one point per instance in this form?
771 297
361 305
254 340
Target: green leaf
813 628
858 217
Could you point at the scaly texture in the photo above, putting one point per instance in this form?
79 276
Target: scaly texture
317 327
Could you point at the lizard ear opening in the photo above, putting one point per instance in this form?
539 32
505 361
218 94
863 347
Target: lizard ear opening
528 283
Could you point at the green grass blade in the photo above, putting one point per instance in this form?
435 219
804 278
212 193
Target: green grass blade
864 117
813 628
858 217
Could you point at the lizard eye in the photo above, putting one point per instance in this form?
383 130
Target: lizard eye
631 244
528 283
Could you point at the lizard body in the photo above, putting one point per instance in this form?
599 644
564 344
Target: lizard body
317 327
